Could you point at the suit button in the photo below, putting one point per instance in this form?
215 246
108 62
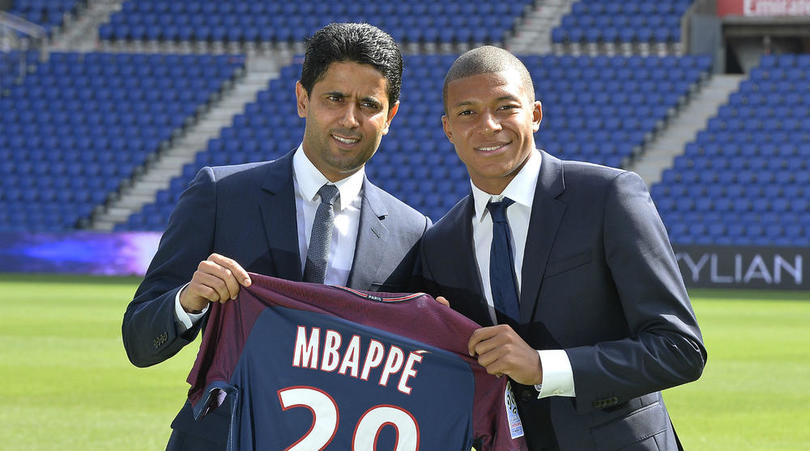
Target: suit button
160 340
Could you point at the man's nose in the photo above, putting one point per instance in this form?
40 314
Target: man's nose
489 123
349 118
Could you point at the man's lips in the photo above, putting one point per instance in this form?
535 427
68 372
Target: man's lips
345 138
492 147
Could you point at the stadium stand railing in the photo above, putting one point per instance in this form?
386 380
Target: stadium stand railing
50 14
21 43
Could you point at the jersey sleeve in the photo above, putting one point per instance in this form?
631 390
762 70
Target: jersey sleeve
226 331
497 424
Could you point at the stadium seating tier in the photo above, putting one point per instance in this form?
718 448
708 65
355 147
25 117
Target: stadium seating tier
616 103
80 124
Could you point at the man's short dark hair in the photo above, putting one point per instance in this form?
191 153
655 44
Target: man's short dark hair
486 60
353 42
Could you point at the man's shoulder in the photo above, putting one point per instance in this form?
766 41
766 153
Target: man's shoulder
579 175
239 170
594 183
255 173
396 207
587 169
452 221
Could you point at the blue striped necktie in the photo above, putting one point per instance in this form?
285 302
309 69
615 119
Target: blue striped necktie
502 262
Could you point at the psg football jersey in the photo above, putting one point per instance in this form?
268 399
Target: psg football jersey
310 367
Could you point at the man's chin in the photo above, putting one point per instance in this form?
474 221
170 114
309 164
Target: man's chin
346 166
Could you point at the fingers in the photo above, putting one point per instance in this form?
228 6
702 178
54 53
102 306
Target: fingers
501 350
443 301
495 350
214 288
217 279
235 269
480 339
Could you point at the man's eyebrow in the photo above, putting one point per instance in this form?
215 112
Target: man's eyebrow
499 99
372 100
335 94
463 103
507 97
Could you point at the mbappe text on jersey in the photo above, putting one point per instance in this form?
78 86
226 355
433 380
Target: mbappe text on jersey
357 359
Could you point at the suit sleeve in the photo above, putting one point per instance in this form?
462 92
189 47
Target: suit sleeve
665 347
420 275
149 331
403 278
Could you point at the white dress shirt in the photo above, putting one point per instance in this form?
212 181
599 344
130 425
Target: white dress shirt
308 180
558 378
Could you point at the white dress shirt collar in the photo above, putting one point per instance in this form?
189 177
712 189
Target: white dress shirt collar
309 180
520 189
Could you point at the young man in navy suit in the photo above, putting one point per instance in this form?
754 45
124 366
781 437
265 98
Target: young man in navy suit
260 217
568 267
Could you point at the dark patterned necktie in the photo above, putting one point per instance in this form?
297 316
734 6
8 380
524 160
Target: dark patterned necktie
502 262
321 236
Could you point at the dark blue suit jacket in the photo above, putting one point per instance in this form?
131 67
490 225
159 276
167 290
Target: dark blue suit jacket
247 213
600 281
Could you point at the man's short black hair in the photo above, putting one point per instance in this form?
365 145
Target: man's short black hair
353 42
486 60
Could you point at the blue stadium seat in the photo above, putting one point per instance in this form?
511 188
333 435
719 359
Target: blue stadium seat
419 21
82 153
626 21
761 175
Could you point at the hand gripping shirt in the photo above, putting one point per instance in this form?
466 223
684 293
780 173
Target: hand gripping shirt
311 367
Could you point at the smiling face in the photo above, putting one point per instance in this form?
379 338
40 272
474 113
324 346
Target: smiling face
491 120
347 114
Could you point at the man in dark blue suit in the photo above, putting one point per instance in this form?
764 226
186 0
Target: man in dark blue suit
262 217
568 267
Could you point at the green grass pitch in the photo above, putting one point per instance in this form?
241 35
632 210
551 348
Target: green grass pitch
68 385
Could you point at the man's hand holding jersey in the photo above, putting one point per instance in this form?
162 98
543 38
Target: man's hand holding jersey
217 279
500 350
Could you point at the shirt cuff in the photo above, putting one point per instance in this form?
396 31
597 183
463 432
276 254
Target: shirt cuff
558 377
188 320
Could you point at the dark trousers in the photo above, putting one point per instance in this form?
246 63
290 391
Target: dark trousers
208 434
535 414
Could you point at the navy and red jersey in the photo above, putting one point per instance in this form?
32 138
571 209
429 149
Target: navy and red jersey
310 367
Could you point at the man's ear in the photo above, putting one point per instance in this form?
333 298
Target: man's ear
301 99
391 113
537 115
447 131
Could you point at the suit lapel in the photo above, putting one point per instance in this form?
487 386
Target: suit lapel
279 216
547 213
464 263
371 239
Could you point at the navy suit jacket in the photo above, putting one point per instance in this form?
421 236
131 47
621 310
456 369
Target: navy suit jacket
247 213
600 281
